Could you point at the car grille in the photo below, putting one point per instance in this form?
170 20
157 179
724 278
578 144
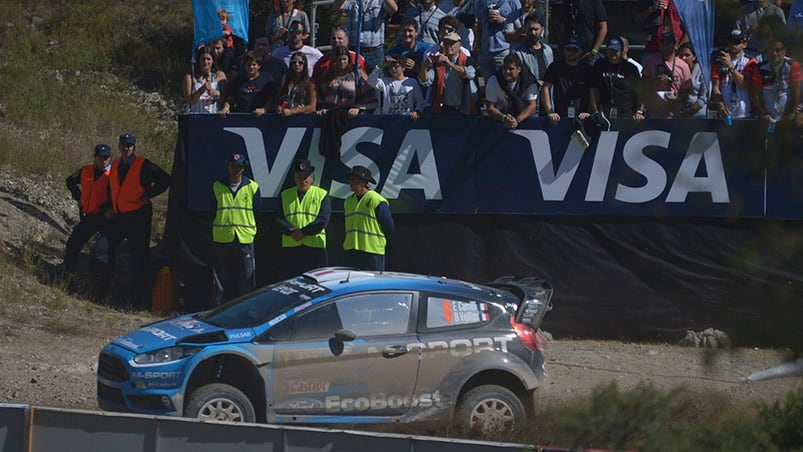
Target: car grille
111 394
111 368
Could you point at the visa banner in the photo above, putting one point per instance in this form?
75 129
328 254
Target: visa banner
473 165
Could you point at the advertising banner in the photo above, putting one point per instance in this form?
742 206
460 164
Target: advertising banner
473 165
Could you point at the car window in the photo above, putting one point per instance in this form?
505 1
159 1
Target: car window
320 323
443 312
376 314
265 304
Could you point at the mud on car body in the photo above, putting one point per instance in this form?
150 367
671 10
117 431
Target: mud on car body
339 345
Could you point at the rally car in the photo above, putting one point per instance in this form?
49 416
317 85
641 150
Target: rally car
340 345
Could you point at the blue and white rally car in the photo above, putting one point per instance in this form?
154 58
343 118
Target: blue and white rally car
339 345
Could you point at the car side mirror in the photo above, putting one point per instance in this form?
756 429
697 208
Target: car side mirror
345 335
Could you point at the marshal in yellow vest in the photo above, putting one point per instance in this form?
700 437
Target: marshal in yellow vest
301 213
235 214
363 232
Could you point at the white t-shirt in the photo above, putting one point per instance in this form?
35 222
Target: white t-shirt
400 97
494 93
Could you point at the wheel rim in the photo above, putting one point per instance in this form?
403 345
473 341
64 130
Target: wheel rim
492 416
221 409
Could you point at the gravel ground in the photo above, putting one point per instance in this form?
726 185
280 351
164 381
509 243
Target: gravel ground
40 368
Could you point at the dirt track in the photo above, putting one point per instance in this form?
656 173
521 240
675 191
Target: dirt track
39 368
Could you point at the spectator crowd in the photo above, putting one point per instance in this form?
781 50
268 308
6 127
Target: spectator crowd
416 58
490 57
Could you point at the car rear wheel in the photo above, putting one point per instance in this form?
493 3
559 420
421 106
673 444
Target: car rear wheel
491 410
220 402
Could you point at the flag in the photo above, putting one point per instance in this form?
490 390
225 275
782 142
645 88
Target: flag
698 18
207 24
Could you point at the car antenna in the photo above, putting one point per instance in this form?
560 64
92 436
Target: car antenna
348 277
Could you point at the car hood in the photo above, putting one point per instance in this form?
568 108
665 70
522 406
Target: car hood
177 331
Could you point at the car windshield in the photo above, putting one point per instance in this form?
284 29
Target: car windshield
265 304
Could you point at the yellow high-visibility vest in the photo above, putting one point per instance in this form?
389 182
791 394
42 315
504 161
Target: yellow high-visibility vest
301 213
363 231
235 214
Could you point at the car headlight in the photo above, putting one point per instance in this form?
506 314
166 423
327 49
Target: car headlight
166 355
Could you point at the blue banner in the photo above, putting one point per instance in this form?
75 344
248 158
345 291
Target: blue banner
206 23
473 165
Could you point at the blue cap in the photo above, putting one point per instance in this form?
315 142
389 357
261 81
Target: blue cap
615 44
103 150
127 138
237 159
574 41
303 166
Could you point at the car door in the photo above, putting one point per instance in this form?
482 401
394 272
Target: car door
372 375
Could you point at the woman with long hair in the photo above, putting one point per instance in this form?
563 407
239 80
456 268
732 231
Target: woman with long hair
339 89
298 95
697 100
206 85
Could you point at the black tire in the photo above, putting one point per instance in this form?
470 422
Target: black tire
491 411
220 402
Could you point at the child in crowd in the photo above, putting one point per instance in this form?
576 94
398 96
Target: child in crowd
224 17
401 95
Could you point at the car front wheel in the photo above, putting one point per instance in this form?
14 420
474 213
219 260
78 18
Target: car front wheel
491 410
220 402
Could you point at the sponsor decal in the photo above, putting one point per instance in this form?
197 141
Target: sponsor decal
155 375
189 324
381 401
304 404
240 335
460 348
307 386
160 333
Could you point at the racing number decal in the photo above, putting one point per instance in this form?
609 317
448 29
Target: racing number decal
447 311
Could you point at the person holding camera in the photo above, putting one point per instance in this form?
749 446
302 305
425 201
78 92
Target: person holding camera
450 73
671 79
731 75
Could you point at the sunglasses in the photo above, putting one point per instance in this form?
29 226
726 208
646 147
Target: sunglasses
295 31
297 62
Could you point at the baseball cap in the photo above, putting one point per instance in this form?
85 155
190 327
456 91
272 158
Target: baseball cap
452 36
615 44
237 159
128 138
303 166
668 36
573 41
103 150
362 173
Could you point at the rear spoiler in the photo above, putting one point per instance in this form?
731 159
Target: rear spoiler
535 295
